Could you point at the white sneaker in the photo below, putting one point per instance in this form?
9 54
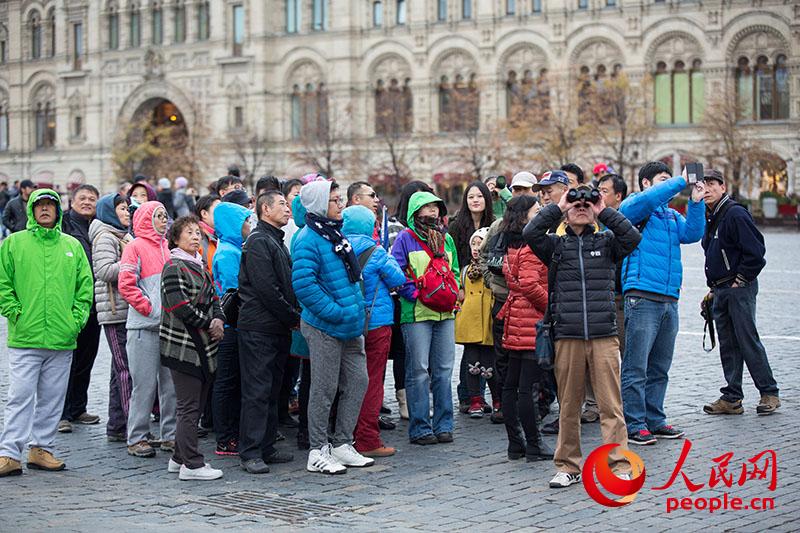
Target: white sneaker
205 473
624 475
564 479
348 456
173 467
322 461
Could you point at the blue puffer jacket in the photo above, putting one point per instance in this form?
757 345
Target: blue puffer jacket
299 345
655 266
228 221
381 273
330 302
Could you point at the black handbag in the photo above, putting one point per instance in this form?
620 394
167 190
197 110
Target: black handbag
230 306
498 248
545 342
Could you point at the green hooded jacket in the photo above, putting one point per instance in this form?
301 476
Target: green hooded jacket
46 284
409 254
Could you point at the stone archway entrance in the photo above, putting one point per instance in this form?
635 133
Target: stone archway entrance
153 142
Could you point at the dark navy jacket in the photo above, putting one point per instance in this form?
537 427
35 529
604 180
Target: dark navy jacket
736 249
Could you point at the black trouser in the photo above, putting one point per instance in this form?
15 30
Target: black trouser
190 393
302 397
80 373
262 359
397 353
287 386
521 383
484 357
501 361
226 398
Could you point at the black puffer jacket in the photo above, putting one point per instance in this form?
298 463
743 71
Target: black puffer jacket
583 294
268 303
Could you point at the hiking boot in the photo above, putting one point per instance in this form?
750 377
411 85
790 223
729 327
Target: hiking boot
669 432
117 437
254 466
475 407
10 467
724 407
497 414
551 428
444 437
87 420
41 459
227 448
425 440
564 479
383 451
642 438
279 457
141 449
767 405
168 446
537 450
65 426
153 441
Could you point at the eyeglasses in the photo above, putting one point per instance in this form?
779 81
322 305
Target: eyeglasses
162 216
339 201
372 194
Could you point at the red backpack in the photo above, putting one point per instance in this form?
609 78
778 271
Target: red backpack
437 286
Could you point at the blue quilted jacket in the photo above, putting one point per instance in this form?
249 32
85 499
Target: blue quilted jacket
381 273
655 265
330 302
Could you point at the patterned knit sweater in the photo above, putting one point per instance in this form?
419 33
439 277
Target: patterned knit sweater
189 303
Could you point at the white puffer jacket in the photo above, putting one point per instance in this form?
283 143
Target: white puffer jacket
106 253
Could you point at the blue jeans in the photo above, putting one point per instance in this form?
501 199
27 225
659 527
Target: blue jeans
739 345
650 331
429 345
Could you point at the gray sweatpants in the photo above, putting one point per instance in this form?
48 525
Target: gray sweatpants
335 366
37 386
149 377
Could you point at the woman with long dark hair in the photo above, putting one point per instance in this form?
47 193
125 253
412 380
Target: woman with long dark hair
475 213
526 277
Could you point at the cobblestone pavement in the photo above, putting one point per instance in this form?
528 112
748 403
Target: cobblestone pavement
468 485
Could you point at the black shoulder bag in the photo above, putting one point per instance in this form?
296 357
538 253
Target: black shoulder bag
545 344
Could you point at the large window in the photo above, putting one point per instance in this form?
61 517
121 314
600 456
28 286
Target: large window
511 7
3 121
135 27
309 108
238 29
679 93
377 14
77 46
583 4
44 119
527 96
179 24
203 21
319 15
401 12
466 9
441 10
763 89
157 25
459 104
536 6
292 16
113 29
394 107
3 46
51 32
35 29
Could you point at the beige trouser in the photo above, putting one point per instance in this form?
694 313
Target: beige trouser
601 358
591 403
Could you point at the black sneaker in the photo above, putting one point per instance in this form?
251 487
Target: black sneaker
384 422
669 432
642 438
279 457
551 428
425 440
385 410
230 448
444 437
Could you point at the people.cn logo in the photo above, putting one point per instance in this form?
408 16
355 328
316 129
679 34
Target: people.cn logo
596 465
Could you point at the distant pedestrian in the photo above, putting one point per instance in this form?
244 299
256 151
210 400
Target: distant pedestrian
183 201
165 196
46 295
15 215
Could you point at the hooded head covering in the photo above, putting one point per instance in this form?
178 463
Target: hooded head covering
298 212
151 193
37 196
181 182
164 183
144 222
315 196
481 233
237 196
228 221
430 230
358 220
106 211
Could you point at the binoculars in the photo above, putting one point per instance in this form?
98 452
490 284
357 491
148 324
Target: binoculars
592 196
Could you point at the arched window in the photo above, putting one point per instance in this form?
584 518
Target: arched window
3 121
157 24
35 28
527 96
309 108
179 23
679 93
51 32
113 28
377 14
292 16
763 90
459 104
394 107
135 26
401 12
44 110
203 21
599 96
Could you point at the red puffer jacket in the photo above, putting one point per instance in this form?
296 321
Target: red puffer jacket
526 277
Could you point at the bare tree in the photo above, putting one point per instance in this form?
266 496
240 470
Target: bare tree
324 147
251 151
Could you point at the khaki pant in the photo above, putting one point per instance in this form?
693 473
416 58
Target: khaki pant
591 403
601 358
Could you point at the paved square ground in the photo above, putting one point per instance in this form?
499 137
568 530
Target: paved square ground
467 485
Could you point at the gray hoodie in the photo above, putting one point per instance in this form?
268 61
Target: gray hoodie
315 195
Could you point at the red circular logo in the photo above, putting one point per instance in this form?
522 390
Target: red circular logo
597 464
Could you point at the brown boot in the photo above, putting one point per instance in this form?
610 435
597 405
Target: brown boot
767 405
40 459
724 407
9 467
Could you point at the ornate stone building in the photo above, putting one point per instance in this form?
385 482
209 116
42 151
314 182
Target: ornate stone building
73 72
